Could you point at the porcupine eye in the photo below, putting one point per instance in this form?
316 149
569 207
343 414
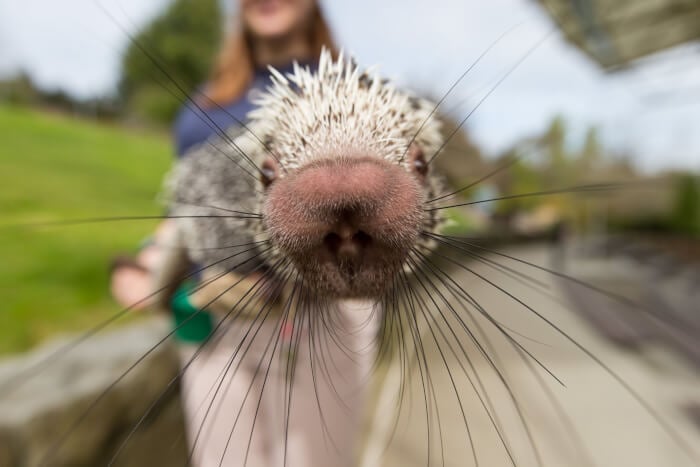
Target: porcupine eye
417 160
269 171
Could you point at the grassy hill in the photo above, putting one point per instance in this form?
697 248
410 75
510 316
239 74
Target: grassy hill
52 168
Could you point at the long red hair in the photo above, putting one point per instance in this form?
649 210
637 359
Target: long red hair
234 68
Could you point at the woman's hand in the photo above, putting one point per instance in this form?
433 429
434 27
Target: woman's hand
131 279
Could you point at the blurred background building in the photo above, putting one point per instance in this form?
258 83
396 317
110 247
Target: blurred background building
617 33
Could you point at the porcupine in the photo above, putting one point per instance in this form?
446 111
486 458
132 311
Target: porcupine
340 149
341 161
374 134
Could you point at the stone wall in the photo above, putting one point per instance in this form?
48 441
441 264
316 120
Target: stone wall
39 414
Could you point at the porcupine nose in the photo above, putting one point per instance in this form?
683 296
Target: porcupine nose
344 204
354 216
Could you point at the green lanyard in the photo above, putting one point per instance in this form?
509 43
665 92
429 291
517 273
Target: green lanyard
192 324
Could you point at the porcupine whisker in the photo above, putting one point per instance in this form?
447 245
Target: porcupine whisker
304 301
455 84
510 162
517 64
16 382
392 321
413 295
158 400
214 248
412 357
412 360
201 94
481 393
318 333
54 447
412 299
325 371
521 278
462 100
484 345
327 437
397 319
352 353
460 244
484 351
651 411
213 338
483 397
495 323
210 206
514 274
99 220
269 273
324 329
326 324
199 287
264 312
319 327
429 392
291 365
590 188
273 293
277 338
188 101
420 361
435 268
407 356
560 412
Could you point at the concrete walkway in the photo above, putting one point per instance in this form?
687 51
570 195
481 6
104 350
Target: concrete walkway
593 420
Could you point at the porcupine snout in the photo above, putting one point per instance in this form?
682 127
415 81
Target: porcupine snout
347 224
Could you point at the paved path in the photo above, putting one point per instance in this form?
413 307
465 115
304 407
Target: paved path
612 428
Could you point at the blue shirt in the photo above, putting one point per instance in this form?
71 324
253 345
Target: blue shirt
194 126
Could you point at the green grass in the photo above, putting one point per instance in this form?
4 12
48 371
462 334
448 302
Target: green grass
54 279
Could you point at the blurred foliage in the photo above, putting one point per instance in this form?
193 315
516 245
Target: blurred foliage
686 211
20 90
458 223
175 50
180 43
461 159
57 168
550 161
663 203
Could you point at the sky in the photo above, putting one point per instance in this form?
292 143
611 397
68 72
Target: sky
651 112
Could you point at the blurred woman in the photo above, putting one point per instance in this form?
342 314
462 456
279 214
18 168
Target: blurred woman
241 403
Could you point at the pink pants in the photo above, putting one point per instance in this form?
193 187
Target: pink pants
325 400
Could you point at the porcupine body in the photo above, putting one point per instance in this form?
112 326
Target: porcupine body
335 115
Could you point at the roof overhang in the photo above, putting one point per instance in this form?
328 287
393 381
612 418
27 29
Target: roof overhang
616 32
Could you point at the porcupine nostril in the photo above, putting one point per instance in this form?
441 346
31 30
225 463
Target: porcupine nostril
347 243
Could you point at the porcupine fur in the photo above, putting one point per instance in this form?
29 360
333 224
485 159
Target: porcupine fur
335 112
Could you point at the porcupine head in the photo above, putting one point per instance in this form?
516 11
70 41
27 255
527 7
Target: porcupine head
333 167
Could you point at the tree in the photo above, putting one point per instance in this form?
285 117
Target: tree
591 154
686 212
182 41
557 168
19 90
